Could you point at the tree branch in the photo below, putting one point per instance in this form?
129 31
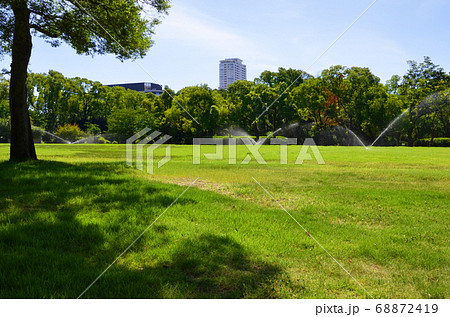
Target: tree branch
44 31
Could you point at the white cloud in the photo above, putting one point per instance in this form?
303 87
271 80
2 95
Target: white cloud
199 31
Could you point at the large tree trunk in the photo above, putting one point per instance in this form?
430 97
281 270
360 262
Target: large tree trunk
22 146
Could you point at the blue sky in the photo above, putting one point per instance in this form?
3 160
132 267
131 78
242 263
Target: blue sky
270 34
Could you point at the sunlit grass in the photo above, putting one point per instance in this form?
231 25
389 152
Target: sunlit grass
382 213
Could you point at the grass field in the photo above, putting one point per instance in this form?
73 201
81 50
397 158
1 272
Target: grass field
383 214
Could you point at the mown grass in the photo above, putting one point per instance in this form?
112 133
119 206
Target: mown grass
383 213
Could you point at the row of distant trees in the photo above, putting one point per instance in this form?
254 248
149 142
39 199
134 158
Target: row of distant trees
352 98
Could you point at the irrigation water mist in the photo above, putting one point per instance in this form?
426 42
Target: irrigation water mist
87 140
390 126
237 131
270 135
355 137
339 131
51 134
92 139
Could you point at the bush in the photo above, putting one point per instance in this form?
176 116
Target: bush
102 140
422 142
437 142
5 131
70 132
92 129
234 137
115 142
38 134
443 142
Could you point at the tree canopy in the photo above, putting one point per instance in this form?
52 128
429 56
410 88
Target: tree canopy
89 26
117 27
339 98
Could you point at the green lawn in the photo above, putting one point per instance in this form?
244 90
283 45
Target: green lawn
383 214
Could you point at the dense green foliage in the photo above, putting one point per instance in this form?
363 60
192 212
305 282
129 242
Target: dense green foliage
70 132
440 142
382 213
5 131
4 95
352 98
119 27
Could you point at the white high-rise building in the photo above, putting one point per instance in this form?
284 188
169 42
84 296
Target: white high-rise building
231 70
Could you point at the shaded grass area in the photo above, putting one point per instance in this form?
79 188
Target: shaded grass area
62 224
382 213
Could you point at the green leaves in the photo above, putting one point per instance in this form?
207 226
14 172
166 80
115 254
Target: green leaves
89 26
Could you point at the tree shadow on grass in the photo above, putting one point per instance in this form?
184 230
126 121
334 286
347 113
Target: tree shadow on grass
61 225
207 266
221 267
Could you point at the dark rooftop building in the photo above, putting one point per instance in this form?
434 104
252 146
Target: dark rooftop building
142 87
